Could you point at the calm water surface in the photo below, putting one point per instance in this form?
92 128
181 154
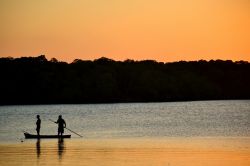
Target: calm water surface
135 120
202 133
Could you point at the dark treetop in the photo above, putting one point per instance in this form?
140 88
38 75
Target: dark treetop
35 80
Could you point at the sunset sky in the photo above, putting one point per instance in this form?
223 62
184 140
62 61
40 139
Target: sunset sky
163 30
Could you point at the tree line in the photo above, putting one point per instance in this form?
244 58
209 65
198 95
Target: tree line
36 80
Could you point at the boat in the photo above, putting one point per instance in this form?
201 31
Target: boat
32 136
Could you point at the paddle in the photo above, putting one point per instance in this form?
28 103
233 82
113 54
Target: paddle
68 129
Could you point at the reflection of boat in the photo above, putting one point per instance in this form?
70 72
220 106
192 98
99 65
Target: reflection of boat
30 136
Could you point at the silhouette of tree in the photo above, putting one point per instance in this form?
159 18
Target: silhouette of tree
35 80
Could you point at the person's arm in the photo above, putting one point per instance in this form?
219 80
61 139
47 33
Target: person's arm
64 124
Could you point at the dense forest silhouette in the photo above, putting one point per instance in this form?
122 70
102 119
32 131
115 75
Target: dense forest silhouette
36 80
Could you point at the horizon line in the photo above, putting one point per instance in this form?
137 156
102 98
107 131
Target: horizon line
128 59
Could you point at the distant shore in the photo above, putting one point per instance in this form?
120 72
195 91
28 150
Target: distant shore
134 102
36 80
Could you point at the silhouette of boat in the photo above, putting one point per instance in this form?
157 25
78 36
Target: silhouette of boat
31 136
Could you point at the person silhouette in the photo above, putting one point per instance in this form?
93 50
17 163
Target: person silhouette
61 125
38 125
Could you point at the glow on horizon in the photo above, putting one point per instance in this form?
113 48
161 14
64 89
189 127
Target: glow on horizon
162 30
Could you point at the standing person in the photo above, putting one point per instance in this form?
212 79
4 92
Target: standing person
61 125
38 125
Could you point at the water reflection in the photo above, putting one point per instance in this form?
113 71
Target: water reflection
129 152
38 148
60 148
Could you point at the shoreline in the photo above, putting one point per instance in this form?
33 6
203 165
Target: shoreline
128 102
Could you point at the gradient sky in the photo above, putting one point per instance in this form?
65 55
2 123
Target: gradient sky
163 30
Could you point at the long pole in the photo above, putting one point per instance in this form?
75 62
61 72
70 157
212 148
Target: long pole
68 129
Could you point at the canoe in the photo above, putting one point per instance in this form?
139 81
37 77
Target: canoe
30 136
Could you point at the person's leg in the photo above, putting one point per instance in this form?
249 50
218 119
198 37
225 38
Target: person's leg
38 131
62 131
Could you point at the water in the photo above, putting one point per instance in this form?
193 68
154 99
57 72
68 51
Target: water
201 133
132 120
189 151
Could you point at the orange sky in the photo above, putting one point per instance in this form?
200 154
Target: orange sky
163 30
